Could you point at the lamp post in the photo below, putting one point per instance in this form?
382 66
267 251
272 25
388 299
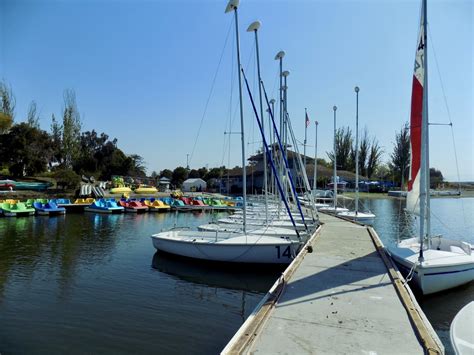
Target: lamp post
356 89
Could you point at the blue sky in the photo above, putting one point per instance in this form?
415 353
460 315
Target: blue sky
143 70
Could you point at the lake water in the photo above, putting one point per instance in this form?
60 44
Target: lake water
89 283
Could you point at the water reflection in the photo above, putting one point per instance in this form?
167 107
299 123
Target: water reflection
254 278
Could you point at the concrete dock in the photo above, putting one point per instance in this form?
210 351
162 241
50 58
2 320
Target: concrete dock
343 297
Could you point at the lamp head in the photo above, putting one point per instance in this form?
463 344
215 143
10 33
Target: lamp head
285 73
356 89
272 101
334 108
280 55
254 26
232 5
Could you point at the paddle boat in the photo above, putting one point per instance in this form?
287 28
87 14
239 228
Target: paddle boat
120 190
104 206
48 209
7 185
17 209
133 206
145 189
156 205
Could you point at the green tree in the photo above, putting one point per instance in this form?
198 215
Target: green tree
7 107
193 174
344 147
33 117
179 175
71 129
27 150
364 146
167 173
400 157
137 166
374 158
436 178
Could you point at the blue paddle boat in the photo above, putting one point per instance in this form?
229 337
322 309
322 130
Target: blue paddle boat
104 206
48 209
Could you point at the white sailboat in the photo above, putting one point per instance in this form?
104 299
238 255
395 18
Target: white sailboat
334 209
230 247
356 215
461 332
434 263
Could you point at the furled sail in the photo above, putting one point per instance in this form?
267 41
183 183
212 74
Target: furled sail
413 196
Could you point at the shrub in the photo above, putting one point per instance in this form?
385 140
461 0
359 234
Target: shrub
67 179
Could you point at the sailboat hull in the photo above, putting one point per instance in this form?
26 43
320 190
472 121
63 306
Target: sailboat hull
240 249
449 266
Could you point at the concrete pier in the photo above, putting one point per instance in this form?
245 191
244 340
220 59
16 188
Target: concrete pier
343 297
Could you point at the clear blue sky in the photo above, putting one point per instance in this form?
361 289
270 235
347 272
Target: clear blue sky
142 70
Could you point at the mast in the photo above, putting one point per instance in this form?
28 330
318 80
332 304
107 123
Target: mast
273 140
315 181
424 175
279 56
426 125
232 5
254 27
285 74
335 162
305 137
356 89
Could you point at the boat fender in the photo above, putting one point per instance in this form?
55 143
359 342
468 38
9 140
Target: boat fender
309 248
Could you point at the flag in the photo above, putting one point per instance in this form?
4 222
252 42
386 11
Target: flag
307 120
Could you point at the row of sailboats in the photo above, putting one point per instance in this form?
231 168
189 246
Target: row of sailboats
261 233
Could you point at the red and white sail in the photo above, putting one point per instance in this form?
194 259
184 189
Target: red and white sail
413 196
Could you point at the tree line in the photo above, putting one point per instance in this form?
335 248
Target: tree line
65 152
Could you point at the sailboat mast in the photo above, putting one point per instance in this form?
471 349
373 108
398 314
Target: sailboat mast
315 180
335 161
356 89
254 27
305 137
232 5
424 179
426 124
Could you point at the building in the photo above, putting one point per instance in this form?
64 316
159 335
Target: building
164 184
194 185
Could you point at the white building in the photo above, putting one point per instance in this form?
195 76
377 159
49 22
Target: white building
194 185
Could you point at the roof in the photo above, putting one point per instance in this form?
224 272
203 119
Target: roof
164 179
192 181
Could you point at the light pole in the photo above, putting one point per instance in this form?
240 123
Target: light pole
356 89
232 6
187 161
279 56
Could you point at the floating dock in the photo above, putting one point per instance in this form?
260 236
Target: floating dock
340 295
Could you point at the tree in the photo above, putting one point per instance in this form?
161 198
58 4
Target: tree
202 172
343 148
179 175
137 166
27 150
7 107
374 158
364 146
32 118
400 157
193 174
167 173
71 129
154 175
436 178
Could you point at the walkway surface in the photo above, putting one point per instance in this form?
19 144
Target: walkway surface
340 300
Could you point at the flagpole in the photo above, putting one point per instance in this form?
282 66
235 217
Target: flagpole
315 181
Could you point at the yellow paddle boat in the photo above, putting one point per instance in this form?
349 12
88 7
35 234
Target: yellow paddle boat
145 189
156 206
120 190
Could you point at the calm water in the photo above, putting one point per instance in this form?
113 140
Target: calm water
90 283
